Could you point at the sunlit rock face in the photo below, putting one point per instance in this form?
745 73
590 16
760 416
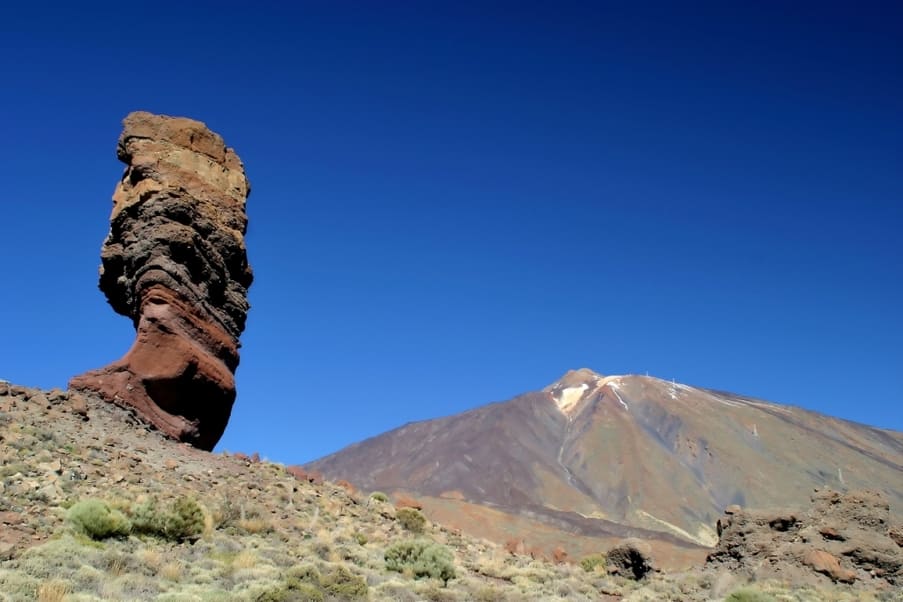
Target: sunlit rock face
175 262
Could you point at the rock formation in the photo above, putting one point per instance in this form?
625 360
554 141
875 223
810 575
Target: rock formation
845 537
174 261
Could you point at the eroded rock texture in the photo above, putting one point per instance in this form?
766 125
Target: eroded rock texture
845 537
175 263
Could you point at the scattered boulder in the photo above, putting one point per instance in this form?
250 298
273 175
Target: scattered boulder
896 534
174 262
845 537
629 560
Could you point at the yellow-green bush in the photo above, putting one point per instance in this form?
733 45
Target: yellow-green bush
184 520
181 520
591 563
749 595
411 519
423 558
97 520
343 584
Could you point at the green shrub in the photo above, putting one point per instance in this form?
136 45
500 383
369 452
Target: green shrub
307 592
146 518
293 591
488 594
97 520
379 496
182 520
344 584
590 563
423 558
411 519
749 595
302 584
304 573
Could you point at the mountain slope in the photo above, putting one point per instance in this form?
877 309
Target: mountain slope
617 456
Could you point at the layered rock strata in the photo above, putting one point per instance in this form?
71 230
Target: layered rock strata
175 262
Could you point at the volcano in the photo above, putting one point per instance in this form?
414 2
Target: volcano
593 459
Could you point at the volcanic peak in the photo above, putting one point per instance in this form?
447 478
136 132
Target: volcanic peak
578 386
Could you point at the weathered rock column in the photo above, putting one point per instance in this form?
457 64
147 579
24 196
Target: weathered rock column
175 263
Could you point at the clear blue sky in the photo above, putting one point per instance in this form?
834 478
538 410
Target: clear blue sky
455 203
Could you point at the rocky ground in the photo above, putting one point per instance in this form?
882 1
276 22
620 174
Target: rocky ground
267 533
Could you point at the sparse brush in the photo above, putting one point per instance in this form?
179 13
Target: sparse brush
412 520
254 525
488 594
171 571
291 591
244 560
183 519
593 563
97 520
150 558
379 496
306 573
423 558
228 513
343 584
53 591
146 518
747 594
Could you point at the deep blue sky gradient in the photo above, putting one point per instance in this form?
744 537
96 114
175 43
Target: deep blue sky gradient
455 203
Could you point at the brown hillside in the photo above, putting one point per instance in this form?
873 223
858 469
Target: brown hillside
593 458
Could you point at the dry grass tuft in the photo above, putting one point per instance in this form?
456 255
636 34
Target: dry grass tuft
245 560
53 591
171 571
254 525
150 557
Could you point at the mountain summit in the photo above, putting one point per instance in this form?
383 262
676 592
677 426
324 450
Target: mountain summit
593 457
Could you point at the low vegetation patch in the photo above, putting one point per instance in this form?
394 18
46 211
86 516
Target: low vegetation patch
422 558
593 563
747 594
379 496
97 520
412 520
182 520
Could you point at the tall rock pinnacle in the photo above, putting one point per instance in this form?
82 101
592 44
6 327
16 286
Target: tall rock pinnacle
175 263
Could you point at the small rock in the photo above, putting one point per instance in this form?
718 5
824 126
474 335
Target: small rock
11 518
831 533
7 550
56 396
827 564
78 404
53 466
896 534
